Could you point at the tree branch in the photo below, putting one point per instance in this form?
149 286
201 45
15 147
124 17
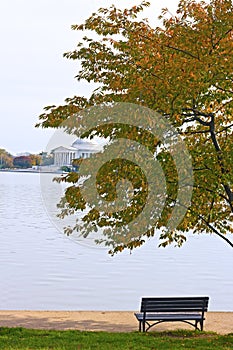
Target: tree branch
195 132
227 127
183 51
207 224
212 191
216 231
222 37
195 118
222 89
223 171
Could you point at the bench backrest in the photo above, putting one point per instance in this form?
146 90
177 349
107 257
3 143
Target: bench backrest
174 304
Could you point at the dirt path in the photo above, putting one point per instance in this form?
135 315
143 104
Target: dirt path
112 321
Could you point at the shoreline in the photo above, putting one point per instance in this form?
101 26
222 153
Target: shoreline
110 321
32 171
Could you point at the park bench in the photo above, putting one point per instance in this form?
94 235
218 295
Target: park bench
155 310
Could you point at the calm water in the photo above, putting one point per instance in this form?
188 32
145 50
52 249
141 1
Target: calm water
42 269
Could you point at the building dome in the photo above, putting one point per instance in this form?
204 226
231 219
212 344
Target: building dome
86 145
64 156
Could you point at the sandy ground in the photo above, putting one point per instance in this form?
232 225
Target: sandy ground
112 321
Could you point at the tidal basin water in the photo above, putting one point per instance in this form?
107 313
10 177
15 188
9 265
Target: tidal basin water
42 269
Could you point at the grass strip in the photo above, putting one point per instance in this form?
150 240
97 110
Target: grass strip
28 339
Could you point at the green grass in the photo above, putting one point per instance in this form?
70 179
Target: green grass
21 338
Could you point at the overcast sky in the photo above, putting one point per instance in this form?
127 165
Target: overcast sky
34 35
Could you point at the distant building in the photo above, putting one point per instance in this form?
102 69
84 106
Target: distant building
63 156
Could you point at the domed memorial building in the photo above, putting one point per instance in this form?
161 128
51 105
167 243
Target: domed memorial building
63 156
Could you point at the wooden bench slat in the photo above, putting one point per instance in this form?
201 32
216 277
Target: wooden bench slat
173 309
167 316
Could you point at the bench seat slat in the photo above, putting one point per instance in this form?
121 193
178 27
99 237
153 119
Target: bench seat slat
151 317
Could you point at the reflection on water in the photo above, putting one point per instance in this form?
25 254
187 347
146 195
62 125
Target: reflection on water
44 270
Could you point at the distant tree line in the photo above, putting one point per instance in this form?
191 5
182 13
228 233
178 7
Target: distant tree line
8 161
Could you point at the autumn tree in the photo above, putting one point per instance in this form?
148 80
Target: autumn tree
35 159
22 162
6 159
183 70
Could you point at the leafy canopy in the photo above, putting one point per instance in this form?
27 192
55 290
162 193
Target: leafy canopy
183 70
6 159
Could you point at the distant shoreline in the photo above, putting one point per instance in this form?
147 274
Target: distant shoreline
32 171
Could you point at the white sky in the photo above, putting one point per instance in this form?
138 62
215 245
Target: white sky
33 74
